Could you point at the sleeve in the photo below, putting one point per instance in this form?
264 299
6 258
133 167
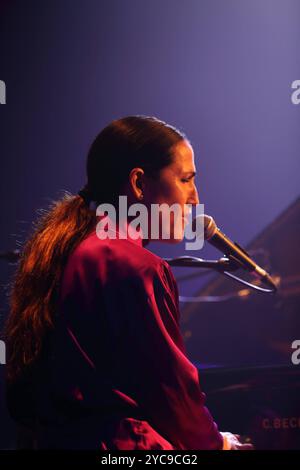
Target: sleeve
167 383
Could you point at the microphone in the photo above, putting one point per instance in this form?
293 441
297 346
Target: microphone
233 250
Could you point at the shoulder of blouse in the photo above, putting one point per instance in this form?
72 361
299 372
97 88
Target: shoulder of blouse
125 257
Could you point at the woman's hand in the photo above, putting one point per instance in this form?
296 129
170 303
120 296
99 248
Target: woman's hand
232 442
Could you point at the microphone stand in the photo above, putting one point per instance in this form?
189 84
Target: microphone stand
222 264
11 256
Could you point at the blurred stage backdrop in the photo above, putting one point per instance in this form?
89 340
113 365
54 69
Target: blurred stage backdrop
222 71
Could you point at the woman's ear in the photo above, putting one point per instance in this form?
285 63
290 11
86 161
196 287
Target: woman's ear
136 181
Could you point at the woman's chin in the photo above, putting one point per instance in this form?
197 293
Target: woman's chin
174 241
174 237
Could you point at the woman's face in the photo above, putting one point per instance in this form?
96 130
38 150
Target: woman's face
175 185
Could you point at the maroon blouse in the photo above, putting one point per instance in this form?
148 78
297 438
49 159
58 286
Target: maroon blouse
115 374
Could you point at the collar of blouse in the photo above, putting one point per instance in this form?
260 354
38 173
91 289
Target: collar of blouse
120 228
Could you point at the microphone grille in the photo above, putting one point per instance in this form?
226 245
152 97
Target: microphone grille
208 224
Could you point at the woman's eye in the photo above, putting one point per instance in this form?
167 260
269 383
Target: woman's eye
186 180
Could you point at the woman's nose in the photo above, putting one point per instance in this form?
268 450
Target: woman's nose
194 197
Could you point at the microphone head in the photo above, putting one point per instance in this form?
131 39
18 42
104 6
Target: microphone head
207 223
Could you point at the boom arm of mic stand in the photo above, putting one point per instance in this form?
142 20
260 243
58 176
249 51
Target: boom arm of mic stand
222 264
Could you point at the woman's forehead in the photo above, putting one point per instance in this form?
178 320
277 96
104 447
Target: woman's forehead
183 157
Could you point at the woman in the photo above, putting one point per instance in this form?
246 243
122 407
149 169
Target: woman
96 359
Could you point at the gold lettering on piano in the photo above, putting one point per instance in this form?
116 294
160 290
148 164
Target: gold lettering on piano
291 422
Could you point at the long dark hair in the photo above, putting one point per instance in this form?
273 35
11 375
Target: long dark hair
122 145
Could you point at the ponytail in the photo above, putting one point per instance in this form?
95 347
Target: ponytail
34 290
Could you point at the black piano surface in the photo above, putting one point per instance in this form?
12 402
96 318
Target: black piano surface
262 403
